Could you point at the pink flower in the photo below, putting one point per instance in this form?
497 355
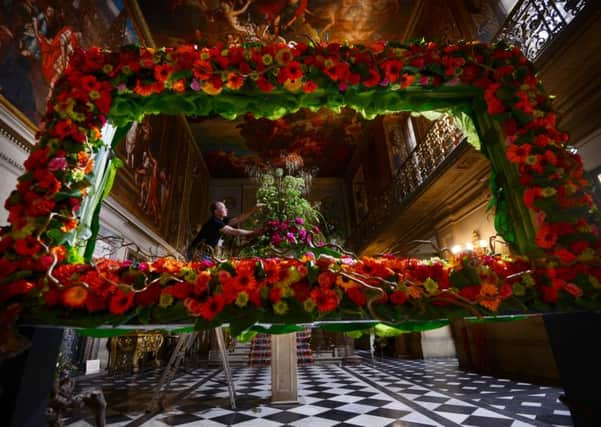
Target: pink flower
276 239
290 237
57 164
299 221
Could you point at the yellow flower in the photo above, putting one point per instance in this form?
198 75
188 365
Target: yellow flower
528 281
518 289
208 88
94 95
242 299
293 85
594 282
280 307
126 70
165 300
267 59
431 286
548 192
283 56
286 292
205 54
107 68
309 305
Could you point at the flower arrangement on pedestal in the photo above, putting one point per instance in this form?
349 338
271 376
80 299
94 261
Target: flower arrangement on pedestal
289 223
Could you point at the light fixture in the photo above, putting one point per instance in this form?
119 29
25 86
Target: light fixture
456 249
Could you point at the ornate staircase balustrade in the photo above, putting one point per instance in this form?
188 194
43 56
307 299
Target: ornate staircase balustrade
533 24
440 141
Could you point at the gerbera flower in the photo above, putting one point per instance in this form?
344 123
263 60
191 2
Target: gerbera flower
546 237
212 307
75 296
234 81
325 299
121 302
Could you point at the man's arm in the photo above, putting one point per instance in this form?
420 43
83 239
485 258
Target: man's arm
244 216
231 231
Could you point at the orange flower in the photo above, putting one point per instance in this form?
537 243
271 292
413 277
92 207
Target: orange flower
234 81
75 297
210 89
345 282
491 304
179 85
415 292
69 225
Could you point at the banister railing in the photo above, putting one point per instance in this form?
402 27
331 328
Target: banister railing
440 141
533 24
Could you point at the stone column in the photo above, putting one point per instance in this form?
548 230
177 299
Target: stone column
284 368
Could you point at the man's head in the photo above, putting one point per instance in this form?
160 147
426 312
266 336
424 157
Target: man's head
218 209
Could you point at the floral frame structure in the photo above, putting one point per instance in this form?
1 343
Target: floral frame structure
543 204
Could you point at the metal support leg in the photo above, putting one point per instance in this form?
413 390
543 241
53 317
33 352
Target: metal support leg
183 342
226 366
372 347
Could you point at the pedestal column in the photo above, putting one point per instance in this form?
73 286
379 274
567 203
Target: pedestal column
284 368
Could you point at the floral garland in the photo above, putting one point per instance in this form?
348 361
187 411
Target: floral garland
274 290
273 80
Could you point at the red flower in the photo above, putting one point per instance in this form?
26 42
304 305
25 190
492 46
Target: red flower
52 297
150 296
163 72
392 69
549 293
573 290
40 207
36 160
325 299
264 85
20 287
309 86
121 302
95 303
357 296
565 256
28 246
470 72
301 291
275 295
399 297
518 153
546 237
89 83
202 70
212 307
374 79
530 196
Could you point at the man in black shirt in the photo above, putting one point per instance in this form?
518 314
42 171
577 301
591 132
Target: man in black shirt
218 224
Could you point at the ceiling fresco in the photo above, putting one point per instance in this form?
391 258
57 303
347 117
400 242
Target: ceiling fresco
358 21
323 141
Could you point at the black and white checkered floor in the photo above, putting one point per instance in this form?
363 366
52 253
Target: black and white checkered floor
387 392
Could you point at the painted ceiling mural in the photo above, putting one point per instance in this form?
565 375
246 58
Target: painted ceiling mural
37 37
323 141
358 21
